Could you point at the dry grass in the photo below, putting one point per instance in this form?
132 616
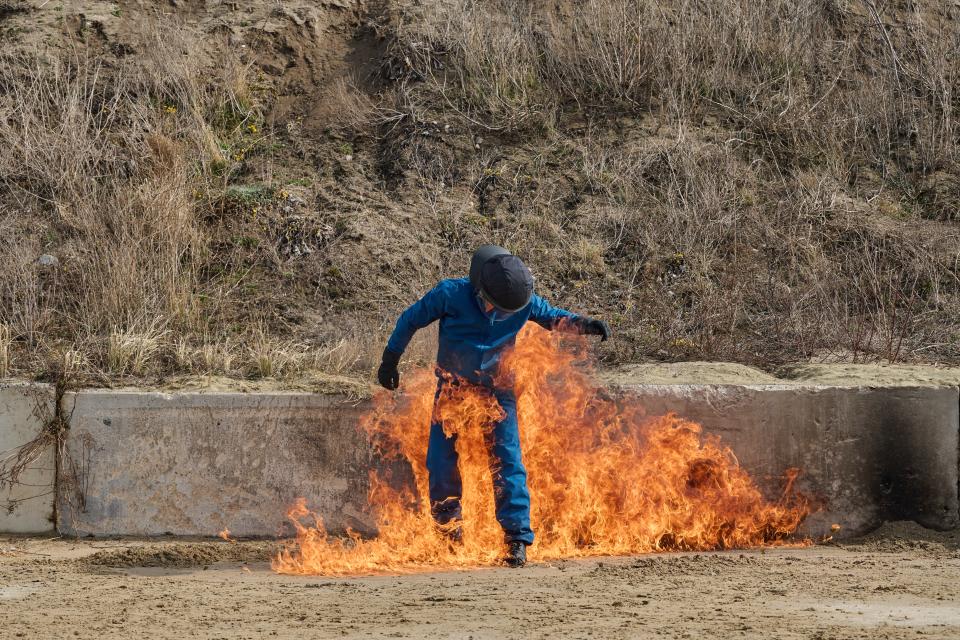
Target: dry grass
6 342
759 182
119 206
776 211
866 91
351 107
272 358
211 357
117 166
132 350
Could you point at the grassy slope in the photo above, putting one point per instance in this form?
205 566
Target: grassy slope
257 192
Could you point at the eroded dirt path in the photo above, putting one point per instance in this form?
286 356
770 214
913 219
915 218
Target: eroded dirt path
903 582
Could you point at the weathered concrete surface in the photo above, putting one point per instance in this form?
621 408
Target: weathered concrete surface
871 454
194 463
150 463
27 505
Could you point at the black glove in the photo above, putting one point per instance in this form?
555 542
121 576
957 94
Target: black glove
591 327
388 375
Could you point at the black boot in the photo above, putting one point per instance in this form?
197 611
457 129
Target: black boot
453 534
516 555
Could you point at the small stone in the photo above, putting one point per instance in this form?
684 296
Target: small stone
47 260
479 140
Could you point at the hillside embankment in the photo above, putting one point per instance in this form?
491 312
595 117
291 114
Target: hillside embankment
252 191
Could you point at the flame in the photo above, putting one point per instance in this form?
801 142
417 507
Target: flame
834 528
225 534
605 479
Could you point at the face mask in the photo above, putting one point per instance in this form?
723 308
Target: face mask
495 315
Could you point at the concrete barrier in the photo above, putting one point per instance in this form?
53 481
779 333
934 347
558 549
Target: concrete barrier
27 505
194 463
871 454
149 463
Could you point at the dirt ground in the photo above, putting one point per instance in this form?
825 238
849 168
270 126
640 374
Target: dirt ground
900 582
830 374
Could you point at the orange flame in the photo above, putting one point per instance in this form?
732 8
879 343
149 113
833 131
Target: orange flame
225 534
605 479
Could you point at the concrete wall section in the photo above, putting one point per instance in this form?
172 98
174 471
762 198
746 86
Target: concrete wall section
194 463
871 454
145 463
27 505
919 452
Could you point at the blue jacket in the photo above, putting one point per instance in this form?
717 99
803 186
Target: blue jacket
471 341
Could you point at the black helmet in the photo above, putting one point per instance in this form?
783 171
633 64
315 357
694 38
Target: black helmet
501 278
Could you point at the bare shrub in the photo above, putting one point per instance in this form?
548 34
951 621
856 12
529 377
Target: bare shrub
882 291
603 51
495 81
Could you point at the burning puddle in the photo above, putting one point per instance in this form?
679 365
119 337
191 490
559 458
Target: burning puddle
605 478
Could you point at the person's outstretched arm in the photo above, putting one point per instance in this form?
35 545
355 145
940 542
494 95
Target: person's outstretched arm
417 316
550 317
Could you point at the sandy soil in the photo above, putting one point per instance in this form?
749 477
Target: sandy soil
842 375
315 382
694 372
902 582
688 373
833 374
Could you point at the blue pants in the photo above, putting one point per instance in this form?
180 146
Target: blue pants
511 496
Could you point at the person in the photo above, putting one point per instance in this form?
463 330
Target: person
480 317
